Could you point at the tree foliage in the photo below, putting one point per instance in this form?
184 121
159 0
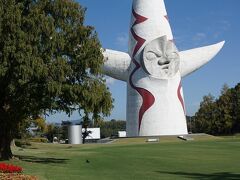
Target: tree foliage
219 116
111 128
205 114
41 124
55 131
49 61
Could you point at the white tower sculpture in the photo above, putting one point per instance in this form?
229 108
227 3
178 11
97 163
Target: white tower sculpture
153 69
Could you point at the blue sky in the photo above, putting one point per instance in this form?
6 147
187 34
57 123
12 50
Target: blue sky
194 23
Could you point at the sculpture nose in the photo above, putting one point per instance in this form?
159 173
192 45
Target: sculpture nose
163 61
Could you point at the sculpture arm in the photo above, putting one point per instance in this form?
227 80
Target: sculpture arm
116 64
192 60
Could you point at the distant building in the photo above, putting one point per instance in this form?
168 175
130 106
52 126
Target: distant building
122 134
94 133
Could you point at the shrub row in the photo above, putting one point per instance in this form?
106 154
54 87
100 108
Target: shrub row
39 140
22 143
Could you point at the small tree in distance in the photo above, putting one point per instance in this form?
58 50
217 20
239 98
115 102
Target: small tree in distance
49 62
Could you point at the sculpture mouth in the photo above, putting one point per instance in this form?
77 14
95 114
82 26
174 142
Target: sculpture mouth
165 67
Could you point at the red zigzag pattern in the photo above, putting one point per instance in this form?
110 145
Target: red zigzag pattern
148 98
180 96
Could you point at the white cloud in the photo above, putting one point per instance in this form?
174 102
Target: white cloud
199 37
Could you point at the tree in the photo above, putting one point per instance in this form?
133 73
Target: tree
220 116
41 124
50 130
111 128
224 108
23 131
235 108
49 62
224 89
205 117
190 123
85 124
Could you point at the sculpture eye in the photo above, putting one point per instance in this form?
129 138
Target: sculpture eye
151 56
172 55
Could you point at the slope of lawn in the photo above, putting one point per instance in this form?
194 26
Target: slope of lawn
216 158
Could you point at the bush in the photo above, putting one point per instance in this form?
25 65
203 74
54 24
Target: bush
39 140
22 143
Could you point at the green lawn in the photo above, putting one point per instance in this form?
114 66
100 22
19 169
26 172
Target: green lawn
215 158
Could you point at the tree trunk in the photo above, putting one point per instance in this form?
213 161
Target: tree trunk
5 146
84 135
6 136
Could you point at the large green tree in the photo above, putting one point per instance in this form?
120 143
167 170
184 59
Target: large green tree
224 114
49 61
219 116
205 117
236 108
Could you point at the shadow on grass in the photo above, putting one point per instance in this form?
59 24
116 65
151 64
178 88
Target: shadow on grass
213 176
42 160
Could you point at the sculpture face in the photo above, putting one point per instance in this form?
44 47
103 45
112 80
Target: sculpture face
161 58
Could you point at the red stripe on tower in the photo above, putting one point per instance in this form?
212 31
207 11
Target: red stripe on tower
147 97
180 96
140 42
138 18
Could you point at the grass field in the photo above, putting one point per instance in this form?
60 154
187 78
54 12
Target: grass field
170 158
